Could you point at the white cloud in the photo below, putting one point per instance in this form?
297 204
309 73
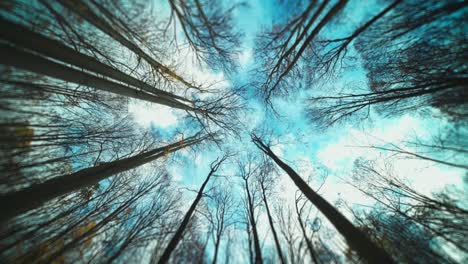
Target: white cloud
147 113
175 172
343 152
425 176
245 57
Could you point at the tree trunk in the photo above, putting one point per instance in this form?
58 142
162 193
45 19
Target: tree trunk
23 37
258 251
216 249
179 233
12 204
270 221
83 10
15 57
356 239
310 247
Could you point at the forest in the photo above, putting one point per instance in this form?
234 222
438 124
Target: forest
234 131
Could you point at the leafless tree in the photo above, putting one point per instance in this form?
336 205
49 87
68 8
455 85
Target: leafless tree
220 214
440 215
179 233
355 238
413 56
247 170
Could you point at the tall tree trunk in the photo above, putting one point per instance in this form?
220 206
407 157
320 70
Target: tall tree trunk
310 247
86 12
12 204
256 240
356 239
216 249
270 221
15 57
26 38
249 239
179 233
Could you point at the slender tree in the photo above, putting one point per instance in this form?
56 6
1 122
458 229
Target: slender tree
356 239
34 196
265 180
183 225
440 215
299 211
246 171
287 45
209 31
220 215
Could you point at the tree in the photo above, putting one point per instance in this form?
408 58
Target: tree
440 216
54 58
220 214
179 233
413 57
34 196
73 229
299 212
209 31
265 180
288 43
406 241
288 228
246 171
355 238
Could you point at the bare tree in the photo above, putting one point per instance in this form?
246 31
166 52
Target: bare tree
355 238
72 229
246 171
220 215
413 60
38 194
287 45
440 215
209 30
265 178
179 233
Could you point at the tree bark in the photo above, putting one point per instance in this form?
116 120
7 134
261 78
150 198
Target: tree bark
356 239
179 233
218 240
12 204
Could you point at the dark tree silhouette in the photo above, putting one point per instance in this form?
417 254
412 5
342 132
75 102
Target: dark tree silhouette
440 216
414 57
37 194
247 170
179 233
356 239
265 180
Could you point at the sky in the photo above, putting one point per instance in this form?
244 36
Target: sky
299 142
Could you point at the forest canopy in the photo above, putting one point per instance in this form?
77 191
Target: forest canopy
259 131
